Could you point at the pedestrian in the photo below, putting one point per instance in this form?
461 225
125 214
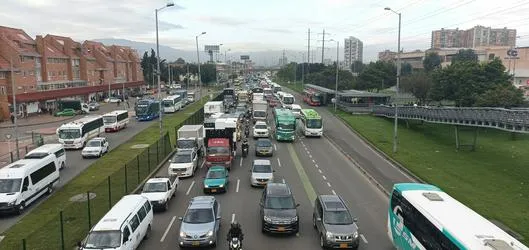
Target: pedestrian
12 118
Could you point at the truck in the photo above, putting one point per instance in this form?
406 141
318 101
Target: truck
229 97
77 105
220 142
259 110
159 190
189 137
211 108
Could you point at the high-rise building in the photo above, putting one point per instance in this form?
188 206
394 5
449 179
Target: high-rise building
478 36
353 51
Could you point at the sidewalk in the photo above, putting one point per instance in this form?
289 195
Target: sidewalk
35 120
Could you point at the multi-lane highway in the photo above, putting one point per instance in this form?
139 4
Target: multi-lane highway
310 166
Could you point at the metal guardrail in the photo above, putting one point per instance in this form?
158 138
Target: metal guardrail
497 118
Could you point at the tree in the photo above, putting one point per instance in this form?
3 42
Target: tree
145 65
377 75
419 84
505 96
431 61
180 61
208 72
467 55
357 66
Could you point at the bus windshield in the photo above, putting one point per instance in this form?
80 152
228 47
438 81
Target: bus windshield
69 133
168 103
109 119
143 109
288 126
315 98
314 123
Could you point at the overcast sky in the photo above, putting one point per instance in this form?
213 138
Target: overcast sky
253 25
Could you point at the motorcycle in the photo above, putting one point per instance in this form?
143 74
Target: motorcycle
244 151
235 244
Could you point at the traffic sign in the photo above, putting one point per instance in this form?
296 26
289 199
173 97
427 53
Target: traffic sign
512 52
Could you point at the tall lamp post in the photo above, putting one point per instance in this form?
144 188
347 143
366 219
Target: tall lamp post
158 73
398 82
199 77
337 65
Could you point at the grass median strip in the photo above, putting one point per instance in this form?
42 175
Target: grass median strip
492 180
41 227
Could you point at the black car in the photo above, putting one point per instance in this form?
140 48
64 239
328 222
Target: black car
278 210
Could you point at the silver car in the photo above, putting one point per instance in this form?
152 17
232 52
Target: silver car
201 223
335 225
262 173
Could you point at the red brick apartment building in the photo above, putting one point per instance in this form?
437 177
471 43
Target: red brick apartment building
52 67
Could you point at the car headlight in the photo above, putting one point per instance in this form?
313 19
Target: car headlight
294 219
328 235
12 203
206 186
182 234
210 233
221 185
267 219
355 235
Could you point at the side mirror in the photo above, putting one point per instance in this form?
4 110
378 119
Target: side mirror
355 219
273 171
180 218
318 219
218 217
261 204
169 161
297 205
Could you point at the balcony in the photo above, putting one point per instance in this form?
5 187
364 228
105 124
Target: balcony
46 86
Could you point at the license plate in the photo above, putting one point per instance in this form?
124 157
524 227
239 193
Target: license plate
213 190
195 243
343 245
280 229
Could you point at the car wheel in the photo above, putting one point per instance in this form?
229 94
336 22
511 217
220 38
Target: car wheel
148 233
21 207
263 227
166 206
313 221
49 189
322 242
62 165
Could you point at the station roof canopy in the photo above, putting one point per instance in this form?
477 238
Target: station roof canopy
358 93
320 88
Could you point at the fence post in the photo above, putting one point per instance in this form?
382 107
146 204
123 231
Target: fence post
26 149
12 157
175 134
89 213
149 157
126 180
62 229
23 244
109 193
32 137
138 167
157 152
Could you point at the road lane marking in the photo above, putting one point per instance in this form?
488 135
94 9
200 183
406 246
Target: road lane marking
307 185
363 238
333 192
316 165
232 217
202 165
279 162
310 156
313 161
283 180
167 229
240 163
319 170
323 176
190 186
237 189
329 184
275 147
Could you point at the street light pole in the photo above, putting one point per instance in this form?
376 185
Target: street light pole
14 107
336 84
199 77
395 137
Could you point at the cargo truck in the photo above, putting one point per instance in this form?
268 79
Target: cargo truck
220 142
191 137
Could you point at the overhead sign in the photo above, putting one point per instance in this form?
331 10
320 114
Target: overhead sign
212 48
245 57
512 53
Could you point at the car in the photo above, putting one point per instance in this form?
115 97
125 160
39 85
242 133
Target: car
261 173
66 112
264 147
296 110
334 223
113 100
200 223
93 106
184 163
278 209
95 147
260 129
216 180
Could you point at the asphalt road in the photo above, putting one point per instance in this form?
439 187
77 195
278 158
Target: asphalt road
310 166
75 164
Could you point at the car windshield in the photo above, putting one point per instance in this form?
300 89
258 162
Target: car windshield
260 126
296 111
94 144
10 185
262 169
263 143
288 100
282 126
215 175
103 239
109 119
181 158
198 216
218 151
155 187
280 202
337 218
69 133
314 123
259 113
36 155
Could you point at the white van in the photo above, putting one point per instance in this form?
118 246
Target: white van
123 227
53 148
296 110
24 181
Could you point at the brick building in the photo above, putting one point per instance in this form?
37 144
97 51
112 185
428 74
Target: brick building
46 69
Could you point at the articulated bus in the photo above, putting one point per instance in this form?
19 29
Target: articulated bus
172 103
312 123
147 110
75 134
285 124
312 97
116 120
422 216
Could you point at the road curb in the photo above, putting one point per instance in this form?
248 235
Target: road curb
39 123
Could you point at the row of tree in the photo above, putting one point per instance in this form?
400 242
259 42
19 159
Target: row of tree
465 82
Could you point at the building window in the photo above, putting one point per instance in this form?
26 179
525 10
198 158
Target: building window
3 75
3 90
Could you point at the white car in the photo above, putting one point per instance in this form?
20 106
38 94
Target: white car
262 173
296 110
95 147
184 163
112 100
260 129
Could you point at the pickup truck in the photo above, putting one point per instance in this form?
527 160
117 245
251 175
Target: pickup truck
159 190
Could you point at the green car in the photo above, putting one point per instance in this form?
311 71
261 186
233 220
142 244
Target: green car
216 180
66 112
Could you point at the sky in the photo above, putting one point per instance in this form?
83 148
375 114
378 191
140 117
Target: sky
271 25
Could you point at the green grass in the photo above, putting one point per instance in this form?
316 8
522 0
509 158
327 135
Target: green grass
493 180
295 86
41 227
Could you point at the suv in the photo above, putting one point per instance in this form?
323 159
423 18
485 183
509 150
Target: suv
278 210
335 225
201 223
184 163
260 129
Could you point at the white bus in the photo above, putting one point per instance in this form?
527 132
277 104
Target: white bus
24 181
53 148
74 135
172 104
287 100
116 120
311 122
422 216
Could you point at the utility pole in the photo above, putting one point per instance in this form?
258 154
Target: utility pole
14 106
323 46
350 52
308 53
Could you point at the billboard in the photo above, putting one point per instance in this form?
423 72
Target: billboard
212 48
245 57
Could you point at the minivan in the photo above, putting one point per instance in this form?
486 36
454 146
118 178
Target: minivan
123 227
334 223
52 148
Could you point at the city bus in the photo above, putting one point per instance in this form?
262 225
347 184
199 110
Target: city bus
74 135
172 103
116 120
422 216
147 110
311 123
312 97
285 124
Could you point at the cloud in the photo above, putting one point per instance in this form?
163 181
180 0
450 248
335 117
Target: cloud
228 21
276 30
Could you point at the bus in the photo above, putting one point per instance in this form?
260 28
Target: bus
74 135
172 103
287 100
312 124
422 216
312 97
147 110
183 95
285 124
116 120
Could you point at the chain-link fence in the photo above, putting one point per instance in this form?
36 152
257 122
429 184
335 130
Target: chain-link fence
25 144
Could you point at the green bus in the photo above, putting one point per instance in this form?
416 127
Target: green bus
311 122
285 124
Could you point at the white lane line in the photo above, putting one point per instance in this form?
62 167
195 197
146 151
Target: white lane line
316 165
238 182
323 176
240 163
278 162
328 184
363 238
284 181
319 170
190 186
275 147
232 217
167 229
310 156
313 161
201 166
333 192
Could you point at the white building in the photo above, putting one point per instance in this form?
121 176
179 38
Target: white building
353 51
